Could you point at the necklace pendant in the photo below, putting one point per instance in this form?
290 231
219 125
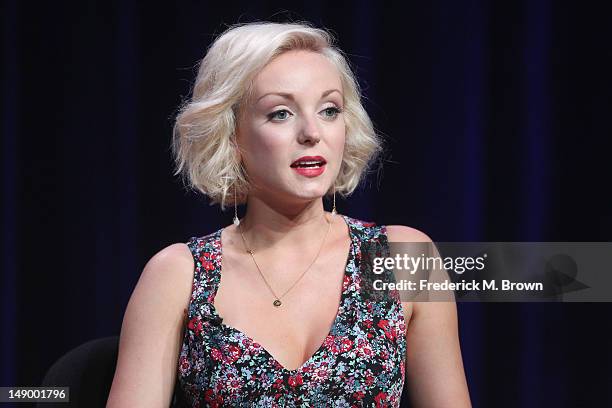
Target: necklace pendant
277 303
236 221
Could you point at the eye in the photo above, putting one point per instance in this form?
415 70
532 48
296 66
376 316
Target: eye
332 111
275 115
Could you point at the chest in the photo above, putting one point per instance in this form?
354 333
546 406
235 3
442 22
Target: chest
293 332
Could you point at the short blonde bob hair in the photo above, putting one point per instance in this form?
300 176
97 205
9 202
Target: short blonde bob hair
204 138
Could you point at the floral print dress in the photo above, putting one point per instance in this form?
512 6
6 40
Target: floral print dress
359 364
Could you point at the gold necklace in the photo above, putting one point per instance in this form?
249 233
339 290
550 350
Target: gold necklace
277 299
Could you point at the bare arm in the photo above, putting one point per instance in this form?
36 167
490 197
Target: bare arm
151 331
434 367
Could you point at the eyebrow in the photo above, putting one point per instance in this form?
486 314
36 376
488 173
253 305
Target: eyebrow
290 96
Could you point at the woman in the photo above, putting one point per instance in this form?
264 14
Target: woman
274 314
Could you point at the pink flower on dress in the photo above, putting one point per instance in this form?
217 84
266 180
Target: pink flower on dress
359 395
234 385
209 395
216 354
214 400
320 373
346 282
232 353
369 379
294 381
184 364
329 342
278 384
366 350
345 344
380 400
195 324
205 260
390 332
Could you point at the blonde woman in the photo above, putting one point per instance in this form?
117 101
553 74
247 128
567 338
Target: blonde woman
270 310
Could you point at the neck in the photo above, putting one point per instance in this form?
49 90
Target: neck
267 225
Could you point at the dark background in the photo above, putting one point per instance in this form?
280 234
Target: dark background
496 117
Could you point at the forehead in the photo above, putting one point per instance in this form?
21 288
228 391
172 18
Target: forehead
297 71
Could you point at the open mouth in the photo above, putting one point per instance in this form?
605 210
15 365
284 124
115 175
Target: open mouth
309 162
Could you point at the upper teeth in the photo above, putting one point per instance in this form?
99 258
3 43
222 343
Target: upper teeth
308 164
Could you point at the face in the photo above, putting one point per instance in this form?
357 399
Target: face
295 111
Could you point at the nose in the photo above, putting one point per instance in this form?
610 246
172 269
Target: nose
310 133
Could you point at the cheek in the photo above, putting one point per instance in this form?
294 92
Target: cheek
342 140
265 151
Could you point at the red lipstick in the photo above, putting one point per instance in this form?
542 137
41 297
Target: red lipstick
309 166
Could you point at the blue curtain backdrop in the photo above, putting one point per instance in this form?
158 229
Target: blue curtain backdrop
497 122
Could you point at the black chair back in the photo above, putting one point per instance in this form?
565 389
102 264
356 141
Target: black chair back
88 370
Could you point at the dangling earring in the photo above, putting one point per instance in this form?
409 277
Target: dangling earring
236 220
334 212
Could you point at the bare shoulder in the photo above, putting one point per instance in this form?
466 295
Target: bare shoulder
171 260
151 331
402 233
169 273
178 253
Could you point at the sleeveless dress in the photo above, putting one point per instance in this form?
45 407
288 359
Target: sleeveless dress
359 364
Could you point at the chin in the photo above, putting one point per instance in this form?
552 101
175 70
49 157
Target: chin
311 194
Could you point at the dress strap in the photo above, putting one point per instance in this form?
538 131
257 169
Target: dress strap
373 243
206 252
